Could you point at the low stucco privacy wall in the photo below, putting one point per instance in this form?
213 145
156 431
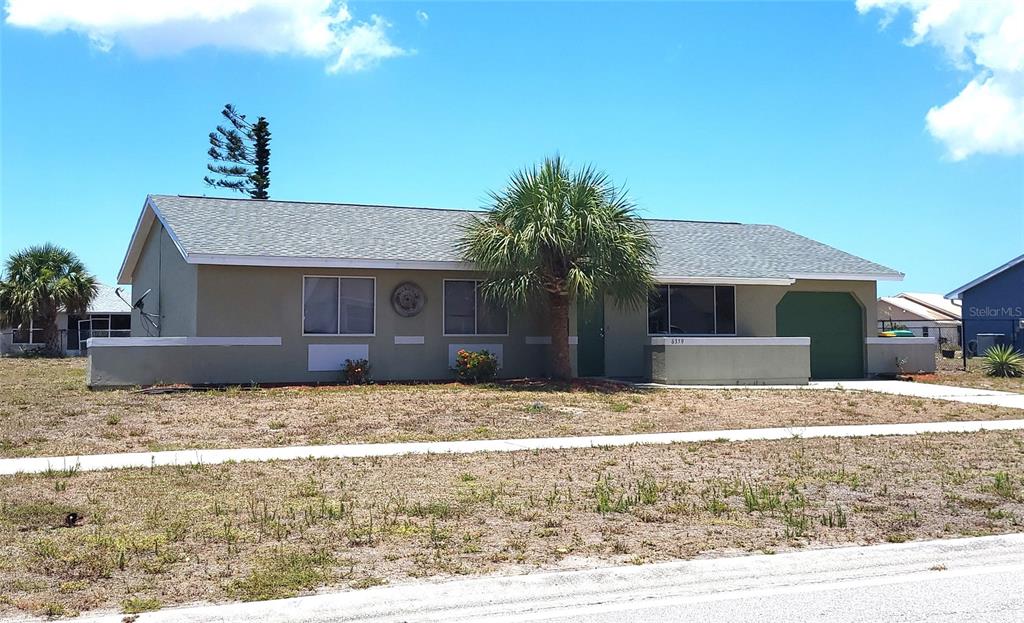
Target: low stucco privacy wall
125 362
197 361
729 360
892 355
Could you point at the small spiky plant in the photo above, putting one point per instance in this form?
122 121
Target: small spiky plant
1003 360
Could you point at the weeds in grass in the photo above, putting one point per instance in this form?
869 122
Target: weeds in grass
284 575
647 490
834 518
55 609
794 517
367 582
761 498
135 605
1003 485
612 499
65 472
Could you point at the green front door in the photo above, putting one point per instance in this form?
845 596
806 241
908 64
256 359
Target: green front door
590 329
835 323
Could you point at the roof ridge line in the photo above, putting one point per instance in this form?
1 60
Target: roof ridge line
407 207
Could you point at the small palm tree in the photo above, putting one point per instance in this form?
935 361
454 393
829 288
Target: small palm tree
560 236
38 283
1003 360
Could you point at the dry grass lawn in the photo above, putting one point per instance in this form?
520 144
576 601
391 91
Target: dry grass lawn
46 410
151 538
951 372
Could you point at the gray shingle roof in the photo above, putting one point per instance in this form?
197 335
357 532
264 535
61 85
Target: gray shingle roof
239 227
106 301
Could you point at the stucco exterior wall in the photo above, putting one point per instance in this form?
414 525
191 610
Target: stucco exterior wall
121 366
172 282
892 355
738 364
996 305
243 301
260 301
626 329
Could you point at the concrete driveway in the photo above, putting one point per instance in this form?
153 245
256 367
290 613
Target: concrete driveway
976 579
899 388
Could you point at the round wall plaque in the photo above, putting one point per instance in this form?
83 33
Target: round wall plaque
408 299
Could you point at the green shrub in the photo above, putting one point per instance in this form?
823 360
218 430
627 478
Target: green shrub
356 372
475 366
1003 360
135 605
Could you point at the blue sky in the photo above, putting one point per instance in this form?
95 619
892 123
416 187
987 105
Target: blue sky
805 115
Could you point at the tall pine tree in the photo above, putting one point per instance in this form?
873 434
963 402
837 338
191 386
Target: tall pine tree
245 148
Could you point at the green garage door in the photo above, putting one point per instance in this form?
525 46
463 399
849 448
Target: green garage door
835 323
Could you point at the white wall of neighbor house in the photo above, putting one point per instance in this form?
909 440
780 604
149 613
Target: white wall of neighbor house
8 345
626 328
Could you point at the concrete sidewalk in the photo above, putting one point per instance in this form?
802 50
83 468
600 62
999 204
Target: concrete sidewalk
190 457
972 579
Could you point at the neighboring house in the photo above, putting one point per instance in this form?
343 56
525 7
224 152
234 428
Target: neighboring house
924 313
107 316
281 291
993 307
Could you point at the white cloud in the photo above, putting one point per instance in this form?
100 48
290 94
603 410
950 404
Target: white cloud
316 28
422 17
364 45
985 38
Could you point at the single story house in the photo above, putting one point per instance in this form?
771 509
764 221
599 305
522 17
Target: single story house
993 308
924 313
108 316
267 291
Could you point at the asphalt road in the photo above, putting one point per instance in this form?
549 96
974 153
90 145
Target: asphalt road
977 579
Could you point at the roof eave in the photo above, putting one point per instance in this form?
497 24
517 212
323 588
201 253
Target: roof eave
959 292
150 213
882 276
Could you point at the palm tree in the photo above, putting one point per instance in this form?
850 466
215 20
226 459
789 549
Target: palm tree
560 236
38 283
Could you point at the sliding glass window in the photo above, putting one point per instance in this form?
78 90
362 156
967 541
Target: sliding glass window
692 310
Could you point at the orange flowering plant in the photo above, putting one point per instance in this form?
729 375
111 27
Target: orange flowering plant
356 372
475 366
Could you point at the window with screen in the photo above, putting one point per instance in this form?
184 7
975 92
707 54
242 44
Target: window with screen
467 312
338 306
692 310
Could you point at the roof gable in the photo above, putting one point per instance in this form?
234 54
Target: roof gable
959 292
209 230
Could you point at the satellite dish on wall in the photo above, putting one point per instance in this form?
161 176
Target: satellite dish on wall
139 304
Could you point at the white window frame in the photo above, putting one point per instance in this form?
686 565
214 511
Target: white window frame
110 333
735 319
302 318
31 330
444 305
